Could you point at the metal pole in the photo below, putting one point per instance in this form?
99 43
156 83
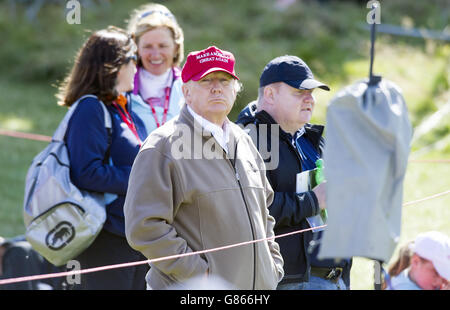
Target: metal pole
372 47
373 79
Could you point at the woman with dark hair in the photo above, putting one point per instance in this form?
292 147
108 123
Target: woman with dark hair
100 160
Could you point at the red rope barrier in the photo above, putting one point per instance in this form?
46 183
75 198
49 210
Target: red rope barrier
426 198
24 135
37 137
437 161
102 268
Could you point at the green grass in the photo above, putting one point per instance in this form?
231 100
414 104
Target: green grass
35 56
28 108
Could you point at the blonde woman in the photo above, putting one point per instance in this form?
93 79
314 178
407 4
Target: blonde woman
157 95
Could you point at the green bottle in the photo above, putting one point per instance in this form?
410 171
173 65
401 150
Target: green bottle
319 178
319 171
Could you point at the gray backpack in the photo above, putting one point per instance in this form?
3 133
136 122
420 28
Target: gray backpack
61 220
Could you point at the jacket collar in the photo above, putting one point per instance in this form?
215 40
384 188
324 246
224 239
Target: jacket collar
262 117
220 133
187 118
312 132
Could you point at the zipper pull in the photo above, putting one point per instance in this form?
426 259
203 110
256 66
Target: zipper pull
237 175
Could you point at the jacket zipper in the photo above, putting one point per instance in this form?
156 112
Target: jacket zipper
233 164
305 247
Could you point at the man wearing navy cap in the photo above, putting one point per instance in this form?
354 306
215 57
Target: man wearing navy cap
286 103
213 193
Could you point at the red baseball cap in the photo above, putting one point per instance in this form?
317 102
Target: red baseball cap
200 63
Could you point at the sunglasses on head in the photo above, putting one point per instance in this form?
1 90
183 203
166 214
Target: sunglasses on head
159 12
131 58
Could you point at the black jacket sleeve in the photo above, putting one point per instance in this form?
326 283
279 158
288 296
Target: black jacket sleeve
290 208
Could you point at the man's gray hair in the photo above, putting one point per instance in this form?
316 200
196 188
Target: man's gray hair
238 86
259 100
260 95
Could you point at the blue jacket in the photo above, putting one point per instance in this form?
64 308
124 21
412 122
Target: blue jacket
88 143
290 209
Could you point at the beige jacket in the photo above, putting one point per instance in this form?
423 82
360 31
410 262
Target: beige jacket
179 205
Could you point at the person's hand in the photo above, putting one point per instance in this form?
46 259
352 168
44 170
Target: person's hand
320 191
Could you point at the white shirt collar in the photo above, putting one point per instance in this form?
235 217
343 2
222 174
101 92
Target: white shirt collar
297 135
221 134
153 86
300 132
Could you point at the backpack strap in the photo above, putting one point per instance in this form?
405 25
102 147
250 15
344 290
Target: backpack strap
108 121
108 126
62 128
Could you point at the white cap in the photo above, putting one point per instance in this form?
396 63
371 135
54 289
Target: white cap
434 246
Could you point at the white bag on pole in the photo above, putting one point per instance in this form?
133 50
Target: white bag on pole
368 135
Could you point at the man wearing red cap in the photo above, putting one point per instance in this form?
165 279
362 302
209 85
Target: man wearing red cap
199 183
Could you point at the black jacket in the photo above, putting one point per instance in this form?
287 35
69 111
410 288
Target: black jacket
289 208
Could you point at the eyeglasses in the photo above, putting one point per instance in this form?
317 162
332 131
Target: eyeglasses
209 82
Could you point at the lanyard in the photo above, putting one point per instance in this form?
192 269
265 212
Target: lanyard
126 118
166 108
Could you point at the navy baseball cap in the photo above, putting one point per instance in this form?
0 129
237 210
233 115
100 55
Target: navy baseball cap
292 71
